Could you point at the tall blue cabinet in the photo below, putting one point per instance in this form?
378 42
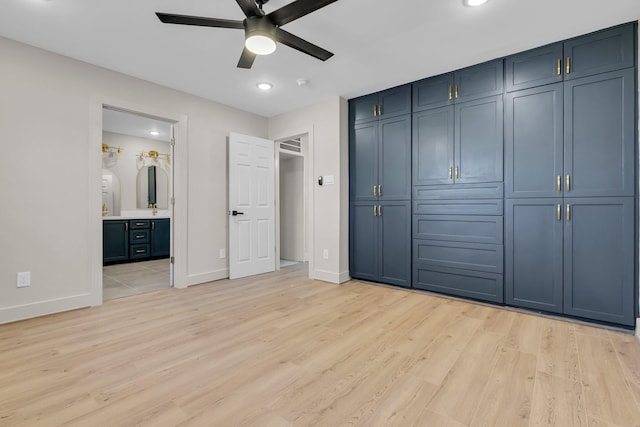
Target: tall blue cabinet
515 181
380 187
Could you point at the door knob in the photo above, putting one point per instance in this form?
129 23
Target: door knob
236 213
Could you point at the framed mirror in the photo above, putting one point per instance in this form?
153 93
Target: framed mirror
152 188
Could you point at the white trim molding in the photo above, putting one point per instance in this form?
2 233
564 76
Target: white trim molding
43 308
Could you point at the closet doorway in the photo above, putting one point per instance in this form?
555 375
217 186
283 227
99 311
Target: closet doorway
292 202
137 209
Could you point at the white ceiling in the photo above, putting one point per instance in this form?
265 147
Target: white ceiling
135 125
377 44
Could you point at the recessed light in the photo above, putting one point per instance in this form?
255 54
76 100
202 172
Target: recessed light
264 86
154 133
473 2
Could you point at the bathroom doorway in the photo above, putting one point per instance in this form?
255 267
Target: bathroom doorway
292 201
137 203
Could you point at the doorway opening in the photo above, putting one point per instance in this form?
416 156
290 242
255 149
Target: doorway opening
292 201
137 202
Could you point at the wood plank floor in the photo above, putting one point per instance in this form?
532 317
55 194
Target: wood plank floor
283 350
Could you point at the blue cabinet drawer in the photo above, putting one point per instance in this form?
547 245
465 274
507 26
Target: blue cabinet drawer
458 207
139 224
464 283
467 256
459 228
459 191
139 236
139 251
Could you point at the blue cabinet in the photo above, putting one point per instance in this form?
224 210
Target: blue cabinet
160 237
533 253
599 135
115 241
433 144
599 259
475 82
380 242
388 103
596 53
534 142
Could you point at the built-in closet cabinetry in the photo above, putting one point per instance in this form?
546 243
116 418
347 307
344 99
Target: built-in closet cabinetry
520 174
457 144
380 187
570 177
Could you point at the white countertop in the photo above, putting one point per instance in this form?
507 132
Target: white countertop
105 218
140 214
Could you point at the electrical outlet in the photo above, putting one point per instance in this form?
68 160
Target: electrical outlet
24 279
325 254
222 253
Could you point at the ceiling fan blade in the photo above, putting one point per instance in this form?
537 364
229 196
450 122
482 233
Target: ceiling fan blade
304 46
296 10
169 18
246 59
250 8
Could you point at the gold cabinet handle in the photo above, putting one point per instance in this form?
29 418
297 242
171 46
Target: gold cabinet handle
379 190
126 226
153 225
559 212
140 251
375 212
379 210
567 185
375 190
559 68
375 110
379 109
450 172
568 212
559 183
457 172
450 92
457 91
568 65
139 236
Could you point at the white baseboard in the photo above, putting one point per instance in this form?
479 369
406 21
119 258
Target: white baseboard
329 276
344 277
638 328
197 279
42 308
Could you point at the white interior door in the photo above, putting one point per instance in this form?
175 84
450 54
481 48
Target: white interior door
251 206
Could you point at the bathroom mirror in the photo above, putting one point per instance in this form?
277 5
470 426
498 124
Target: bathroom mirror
110 193
152 188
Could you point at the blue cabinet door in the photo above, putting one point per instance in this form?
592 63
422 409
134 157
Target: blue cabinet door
600 52
534 142
534 67
394 102
479 140
394 176
364 109
395 243
433 92
160 237
363 160
433 146
479 81
533 253
599 259
363 245
115 241
599 135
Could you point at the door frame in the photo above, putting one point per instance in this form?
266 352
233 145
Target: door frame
179 152
304 145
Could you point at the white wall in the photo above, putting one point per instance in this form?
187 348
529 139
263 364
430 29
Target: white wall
326 125
50 176
292 208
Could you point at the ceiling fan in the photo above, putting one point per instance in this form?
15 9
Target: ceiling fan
261 30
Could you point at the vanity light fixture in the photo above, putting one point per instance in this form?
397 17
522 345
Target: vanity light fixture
106 148
472 3
154 155
264 86
154 133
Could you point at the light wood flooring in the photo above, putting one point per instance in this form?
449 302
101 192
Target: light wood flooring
123 280
283 350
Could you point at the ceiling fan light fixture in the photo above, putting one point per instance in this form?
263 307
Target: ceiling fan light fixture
473 3
260 44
